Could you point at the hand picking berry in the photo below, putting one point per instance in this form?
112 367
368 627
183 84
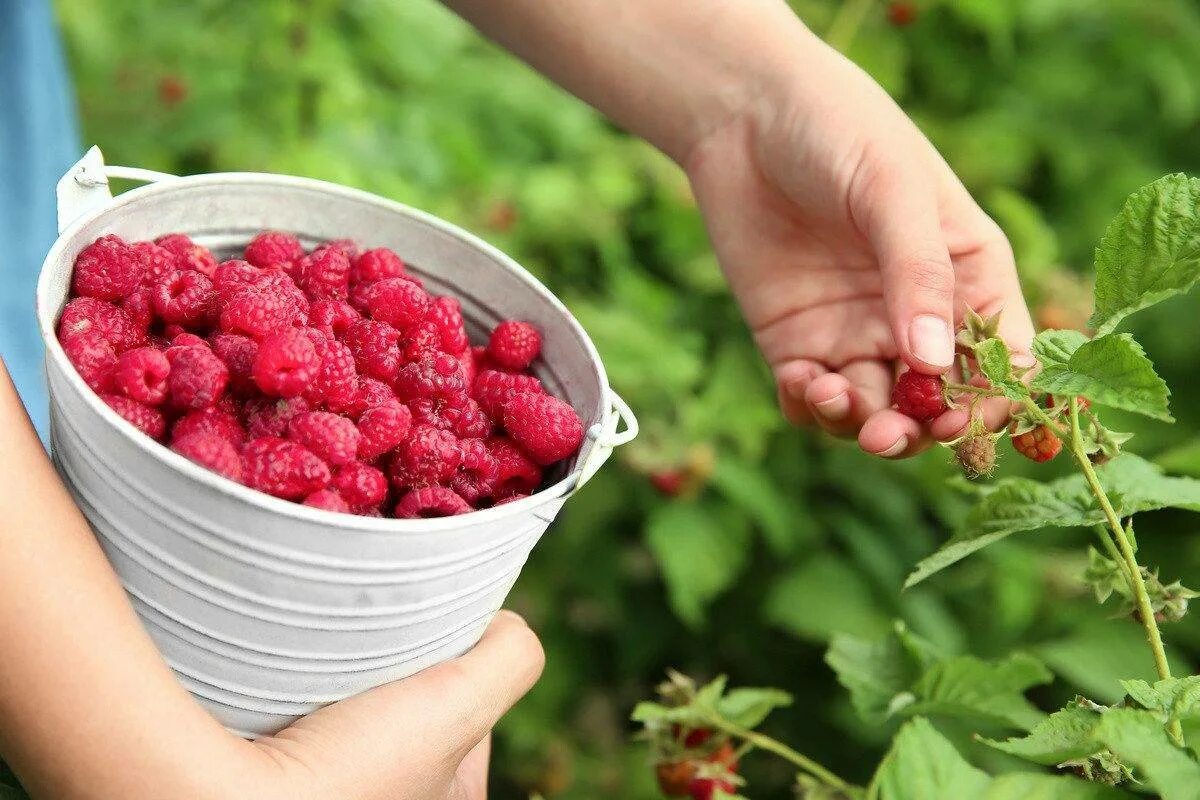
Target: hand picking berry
329 377
919 396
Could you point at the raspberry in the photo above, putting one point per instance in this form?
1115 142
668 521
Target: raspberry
478 472
141 375
184 297
336 384
919 396
258 313
333 317
426 457
325 274
238 354
212 451
347 246
466 361
514 345
107 269
332 437
140 306
233 276
188 254
374 347
149 421
1040 444
328 501
433 376
493 388
371 393
543 426
93 358
182 338
270 248
383 428
211 421
156 261
902 13
197 377
516 474
446 315
976 455
113 323
430 501
282 468
674 777
376 265
287 362
418 341
361 485
270 417
397 301
456 413
706 788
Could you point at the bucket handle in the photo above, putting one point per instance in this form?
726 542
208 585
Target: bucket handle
605 437
85 185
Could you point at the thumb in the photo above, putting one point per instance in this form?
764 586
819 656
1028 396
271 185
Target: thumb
899 216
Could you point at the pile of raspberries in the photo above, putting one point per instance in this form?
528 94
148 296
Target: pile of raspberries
329 378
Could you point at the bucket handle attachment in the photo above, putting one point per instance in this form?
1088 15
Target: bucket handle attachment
605 437
85 186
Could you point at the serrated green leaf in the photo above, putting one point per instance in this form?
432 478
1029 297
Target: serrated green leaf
1150 252
1139 739
995 363
1110 370
749 706
922 763
1064 735
966 686
1026 786
1173 697
874 672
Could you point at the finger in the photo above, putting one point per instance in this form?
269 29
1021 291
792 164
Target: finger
890 434
791 380
829 399
472 773
994 412
898 213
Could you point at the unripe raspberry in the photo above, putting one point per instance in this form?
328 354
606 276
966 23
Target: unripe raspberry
919 396
674 777
1040 444
976 455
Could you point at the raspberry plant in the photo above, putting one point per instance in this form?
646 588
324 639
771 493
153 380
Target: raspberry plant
1149 253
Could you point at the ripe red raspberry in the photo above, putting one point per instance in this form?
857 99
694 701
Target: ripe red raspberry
669 482
347 246
427 502
426 457
287 362
706 788
436 375
140 306
336 384
333 317
181 338
156 261
397 301
141 375
197 377
149 421
184 297
212 452
332 437
270 248
919 396
238 354
188 254
257 313
361 485
418 341
373 345
233 276
270 417
113 323
466 361
976 455
446 315
456 413
325 274
514 345
478 472
376 265
516 473
371 393
211 421
383 428
493 388
327 500
902 13
543 426
107 269
282 468
93 358
1040 444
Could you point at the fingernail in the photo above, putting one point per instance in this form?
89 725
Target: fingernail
929 339
514 616
896 449
835 408
1023 360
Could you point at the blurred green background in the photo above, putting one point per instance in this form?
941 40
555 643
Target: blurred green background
722 541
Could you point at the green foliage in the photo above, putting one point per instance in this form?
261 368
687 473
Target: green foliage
1110 370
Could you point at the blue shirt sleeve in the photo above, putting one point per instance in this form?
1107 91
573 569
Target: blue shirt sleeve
39 140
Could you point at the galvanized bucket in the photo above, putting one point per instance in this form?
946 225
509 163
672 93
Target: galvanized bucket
265 609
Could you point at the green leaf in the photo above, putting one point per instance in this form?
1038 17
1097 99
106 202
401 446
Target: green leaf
751 488
877 672
1138 738
1026 786
799 601
923 764
1173 697
966 686
1150 252
995 362
701 548
710 693
748 706
1063 736
1111 370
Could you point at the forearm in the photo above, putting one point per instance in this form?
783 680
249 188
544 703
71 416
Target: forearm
87 706
667 70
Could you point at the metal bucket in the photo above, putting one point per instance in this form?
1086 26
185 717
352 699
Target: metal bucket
265 609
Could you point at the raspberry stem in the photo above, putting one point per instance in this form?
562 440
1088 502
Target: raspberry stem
764 742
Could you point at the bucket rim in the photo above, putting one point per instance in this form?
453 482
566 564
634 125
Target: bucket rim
345 523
